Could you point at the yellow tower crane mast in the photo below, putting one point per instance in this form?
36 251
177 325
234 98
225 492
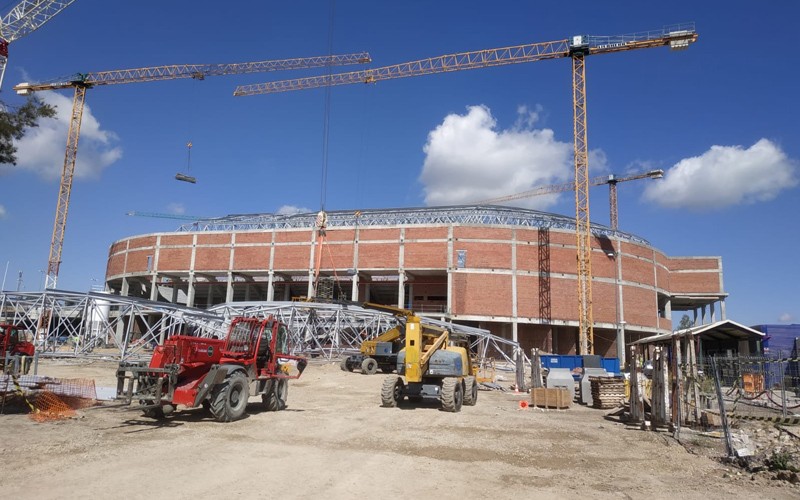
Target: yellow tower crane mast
82 82
577 48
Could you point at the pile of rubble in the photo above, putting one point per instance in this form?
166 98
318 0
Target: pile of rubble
768 450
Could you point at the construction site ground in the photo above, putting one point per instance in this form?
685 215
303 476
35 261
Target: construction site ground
336 441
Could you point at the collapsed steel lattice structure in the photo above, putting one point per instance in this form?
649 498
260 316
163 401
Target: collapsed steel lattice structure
396 217
75 324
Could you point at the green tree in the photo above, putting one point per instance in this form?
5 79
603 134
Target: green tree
14 122
685 323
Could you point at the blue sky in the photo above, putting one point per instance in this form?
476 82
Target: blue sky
720 117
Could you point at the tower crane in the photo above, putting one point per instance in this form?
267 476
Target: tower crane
576 48
25 17
611 179
82 82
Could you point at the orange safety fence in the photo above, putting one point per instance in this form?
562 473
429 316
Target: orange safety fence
47 398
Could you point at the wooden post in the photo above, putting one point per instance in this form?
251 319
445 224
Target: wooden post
636 414
677 386
694 383
536 369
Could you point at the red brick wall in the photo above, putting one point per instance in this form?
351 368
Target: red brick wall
116 265
141 242
175 259
425 255
484 255
259 237
176 239
256 257
137 261
376 255
212 259
291 257
426 233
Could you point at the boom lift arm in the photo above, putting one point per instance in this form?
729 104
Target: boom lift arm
576 48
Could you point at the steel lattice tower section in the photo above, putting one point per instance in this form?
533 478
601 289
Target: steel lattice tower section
65 188
582 221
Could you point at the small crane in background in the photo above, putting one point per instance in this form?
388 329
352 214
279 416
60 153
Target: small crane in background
610 179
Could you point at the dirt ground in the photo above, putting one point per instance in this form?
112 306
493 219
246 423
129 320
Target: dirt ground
335 441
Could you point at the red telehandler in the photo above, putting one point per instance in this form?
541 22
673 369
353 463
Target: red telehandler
16 352
219 374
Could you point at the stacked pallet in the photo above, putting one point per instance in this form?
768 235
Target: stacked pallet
607 392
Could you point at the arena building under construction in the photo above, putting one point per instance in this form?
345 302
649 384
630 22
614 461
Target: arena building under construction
509 270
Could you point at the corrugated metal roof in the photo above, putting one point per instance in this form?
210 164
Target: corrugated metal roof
721 330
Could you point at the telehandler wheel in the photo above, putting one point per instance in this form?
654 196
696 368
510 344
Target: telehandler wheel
343 365
275 398
392 392
452 394
156 412
369 366
470 391
229 399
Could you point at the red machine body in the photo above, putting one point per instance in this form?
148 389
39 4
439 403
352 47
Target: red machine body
16 352
219 374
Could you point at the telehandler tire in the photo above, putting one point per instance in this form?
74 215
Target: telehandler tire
229 399
452 394
470 391
392 392
275 398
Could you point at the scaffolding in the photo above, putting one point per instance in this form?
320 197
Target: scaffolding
73 324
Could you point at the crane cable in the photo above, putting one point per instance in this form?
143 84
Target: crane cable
327 115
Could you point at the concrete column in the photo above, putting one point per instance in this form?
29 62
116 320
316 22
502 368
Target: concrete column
209 295
125 287
190 294
154 287
287 292
449 270
229 288
722 315
367 295
401 281
401 288
354 294
694 317
713 312
271 285
703 315
190 291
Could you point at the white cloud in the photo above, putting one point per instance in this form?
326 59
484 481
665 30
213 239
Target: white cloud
292 210
785 318
176 208
41 150
2 212
468 159
725 176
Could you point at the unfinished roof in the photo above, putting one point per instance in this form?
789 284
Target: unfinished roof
721 330
462 214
